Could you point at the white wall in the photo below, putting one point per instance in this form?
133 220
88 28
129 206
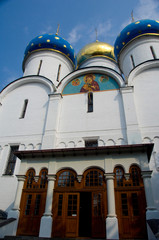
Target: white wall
12 106
140 51
106 120
49 66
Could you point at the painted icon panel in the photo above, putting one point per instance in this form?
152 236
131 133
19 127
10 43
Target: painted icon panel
90 83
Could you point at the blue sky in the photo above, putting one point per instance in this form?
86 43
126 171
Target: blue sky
22 20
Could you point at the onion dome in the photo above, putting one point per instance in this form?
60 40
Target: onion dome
51 42
95 49
133 31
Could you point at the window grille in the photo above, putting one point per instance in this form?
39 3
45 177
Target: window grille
30 179
91 143
43 179
11 161
66 179
94 178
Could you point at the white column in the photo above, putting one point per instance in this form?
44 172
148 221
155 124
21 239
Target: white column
52 117
152 212
21 180
14 212
112 231
133 132
46 220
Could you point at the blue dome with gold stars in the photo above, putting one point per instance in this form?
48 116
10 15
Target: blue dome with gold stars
133 31
51 42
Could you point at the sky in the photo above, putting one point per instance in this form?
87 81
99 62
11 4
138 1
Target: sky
23 20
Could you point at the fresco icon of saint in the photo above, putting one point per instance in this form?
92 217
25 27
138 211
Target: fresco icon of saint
76 82
90 82
90 85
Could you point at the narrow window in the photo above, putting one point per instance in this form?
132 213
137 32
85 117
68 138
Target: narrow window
153 52
132 60
39 68
135 204
30 179
72 205
58 73
90 102
24 108
91 143
60 205
37 204
11 161
124 204
28 204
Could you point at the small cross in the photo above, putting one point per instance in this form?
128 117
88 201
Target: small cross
57 32
132 17
96 34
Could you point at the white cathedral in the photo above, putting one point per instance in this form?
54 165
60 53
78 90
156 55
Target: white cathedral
79 139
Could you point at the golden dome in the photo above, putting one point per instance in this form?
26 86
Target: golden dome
95 49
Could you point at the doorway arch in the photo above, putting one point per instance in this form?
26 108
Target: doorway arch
79 207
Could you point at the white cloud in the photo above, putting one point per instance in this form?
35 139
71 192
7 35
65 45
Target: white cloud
75 34
103 30
26 30
48 29
83 34
147 9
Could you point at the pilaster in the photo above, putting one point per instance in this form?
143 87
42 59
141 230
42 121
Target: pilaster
49 138
133 132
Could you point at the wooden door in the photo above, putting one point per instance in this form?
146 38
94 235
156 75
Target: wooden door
72 214
32 209
98 215
66 215
131 214
32 204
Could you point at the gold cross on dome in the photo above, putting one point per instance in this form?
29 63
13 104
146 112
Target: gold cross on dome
96 34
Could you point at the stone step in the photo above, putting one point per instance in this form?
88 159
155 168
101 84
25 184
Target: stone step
41 238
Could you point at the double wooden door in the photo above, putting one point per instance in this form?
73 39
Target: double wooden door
79 214
131 207
65 214
31 211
